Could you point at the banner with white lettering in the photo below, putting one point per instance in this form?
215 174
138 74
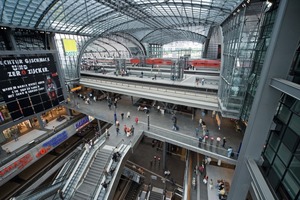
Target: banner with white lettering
29 84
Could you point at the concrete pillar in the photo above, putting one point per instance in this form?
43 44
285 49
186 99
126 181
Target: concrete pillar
279 57
99 125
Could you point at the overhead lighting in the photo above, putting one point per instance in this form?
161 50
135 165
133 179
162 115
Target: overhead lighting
238 10
248 1
243 5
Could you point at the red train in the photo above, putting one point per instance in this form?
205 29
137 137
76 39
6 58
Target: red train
198 63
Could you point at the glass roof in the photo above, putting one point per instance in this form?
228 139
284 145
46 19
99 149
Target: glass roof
191 18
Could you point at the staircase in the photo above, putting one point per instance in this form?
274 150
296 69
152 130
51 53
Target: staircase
93 176
156 194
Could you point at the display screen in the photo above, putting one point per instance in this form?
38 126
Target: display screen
29 84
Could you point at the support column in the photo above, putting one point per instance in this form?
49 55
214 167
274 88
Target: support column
99 125
164 154
38 116
279 57
69 112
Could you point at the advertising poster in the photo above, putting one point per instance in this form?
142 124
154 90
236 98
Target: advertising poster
29 84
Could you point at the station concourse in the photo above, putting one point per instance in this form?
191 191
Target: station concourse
214 85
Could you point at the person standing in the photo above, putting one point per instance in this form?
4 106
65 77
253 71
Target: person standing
122 116
211 184
60 194
229 152
125 129
202 81
132 130
224 142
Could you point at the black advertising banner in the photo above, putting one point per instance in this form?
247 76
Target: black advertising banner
29 84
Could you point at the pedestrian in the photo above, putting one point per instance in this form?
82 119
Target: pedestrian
200 122
201 169
15 135
208 160
106 133
117 124
224 142
205 179
167 173
91 143
122 116
105 172
117 130
132 130
105 185
87 147
128 115
60 194
158 159
218 141
229 152
154 158
136 120
125 129
202 81
109 106
211 184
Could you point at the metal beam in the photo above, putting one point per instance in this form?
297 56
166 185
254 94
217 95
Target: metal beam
259 184
287 87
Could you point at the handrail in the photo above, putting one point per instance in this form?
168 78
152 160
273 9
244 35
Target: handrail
158 89
38 140
187 140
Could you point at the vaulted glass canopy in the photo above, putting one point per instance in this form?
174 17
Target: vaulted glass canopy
146 20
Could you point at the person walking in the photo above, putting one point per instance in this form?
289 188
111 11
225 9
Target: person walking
136 120
106 133
128 115
117 130
122 116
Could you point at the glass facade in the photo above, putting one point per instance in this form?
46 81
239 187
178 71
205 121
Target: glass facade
281 165
281 156
258 60
240 35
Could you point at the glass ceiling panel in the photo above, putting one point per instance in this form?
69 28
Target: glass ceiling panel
93 17
22 12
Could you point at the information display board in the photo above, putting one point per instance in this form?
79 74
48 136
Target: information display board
29 84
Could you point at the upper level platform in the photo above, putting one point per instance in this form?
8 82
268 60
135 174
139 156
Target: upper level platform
185 92
160 127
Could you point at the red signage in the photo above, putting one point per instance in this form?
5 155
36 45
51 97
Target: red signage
20 164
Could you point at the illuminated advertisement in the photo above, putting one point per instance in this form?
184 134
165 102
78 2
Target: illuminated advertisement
29 84
70 47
